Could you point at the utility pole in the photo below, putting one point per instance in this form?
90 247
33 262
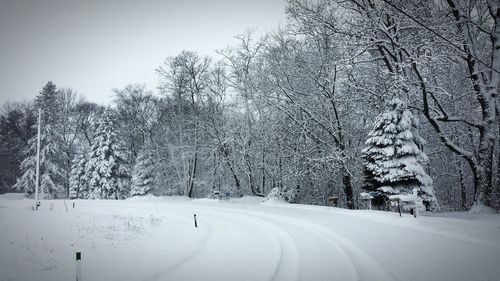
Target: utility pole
37 202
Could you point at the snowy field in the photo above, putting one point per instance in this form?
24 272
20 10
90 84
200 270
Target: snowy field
155 239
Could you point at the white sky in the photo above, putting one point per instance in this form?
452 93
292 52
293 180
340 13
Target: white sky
94 46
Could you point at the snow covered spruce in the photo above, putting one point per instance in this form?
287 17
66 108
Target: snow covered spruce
144 173
106 168
395 160
51 144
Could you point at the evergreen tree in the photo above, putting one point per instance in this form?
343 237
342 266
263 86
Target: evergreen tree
51 174
144 172
50 102
106 168
50 171
27 181
394 157
78 187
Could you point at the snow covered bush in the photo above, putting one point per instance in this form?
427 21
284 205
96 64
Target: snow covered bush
394 157
277 194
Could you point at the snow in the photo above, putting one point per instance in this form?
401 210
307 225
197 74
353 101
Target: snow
365 196
154 238
275 196
12 196
481 209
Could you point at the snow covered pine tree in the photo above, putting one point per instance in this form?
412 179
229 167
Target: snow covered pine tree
143 174
78 181
51 180
106 167
394 158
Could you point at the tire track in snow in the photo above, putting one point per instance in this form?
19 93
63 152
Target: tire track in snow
309 269
288 265
374 218
349 262
202 244
183 216
288 255
366 266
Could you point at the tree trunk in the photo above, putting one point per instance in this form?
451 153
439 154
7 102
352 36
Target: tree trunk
498 163
251 180
192 170
214 174
263 171
233 172
192 173
346 180
488 100
463 190
67 172
484 173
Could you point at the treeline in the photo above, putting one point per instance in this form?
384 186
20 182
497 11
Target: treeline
290 112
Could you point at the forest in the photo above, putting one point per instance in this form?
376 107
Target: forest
348 98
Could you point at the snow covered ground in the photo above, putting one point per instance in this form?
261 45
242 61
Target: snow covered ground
155 239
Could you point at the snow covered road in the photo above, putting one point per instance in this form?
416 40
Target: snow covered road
155 239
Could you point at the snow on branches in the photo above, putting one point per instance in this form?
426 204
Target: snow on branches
106 169
394 157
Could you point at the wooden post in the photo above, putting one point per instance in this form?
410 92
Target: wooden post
79 266
399 208
195 223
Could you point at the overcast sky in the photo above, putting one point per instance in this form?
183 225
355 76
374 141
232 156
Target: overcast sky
94 46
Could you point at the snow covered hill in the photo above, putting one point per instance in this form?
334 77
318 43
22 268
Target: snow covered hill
155 239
